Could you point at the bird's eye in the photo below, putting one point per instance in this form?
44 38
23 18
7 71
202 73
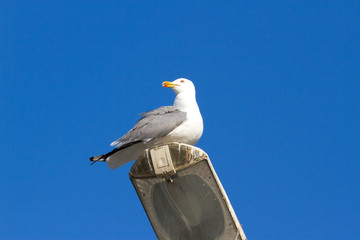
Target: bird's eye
182 81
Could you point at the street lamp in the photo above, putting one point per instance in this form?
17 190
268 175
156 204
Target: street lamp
182 195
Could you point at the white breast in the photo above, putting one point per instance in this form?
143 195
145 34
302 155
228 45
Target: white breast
189 131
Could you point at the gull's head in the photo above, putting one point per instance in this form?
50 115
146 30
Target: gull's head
181 85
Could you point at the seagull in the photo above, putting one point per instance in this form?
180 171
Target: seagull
181 122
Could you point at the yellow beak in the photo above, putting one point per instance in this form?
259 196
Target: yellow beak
169 84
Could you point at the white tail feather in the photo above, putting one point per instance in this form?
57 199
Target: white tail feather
125 155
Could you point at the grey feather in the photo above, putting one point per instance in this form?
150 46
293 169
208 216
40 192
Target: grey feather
153 124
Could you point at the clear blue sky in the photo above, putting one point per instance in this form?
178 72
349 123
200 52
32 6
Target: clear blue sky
277 82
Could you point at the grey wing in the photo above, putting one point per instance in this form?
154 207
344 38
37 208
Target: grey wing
160 111
153 124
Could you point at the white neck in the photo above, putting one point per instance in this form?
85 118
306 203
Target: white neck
186 102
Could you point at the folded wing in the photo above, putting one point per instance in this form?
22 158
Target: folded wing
153 124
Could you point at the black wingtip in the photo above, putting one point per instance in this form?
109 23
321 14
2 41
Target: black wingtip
95 159
92 159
